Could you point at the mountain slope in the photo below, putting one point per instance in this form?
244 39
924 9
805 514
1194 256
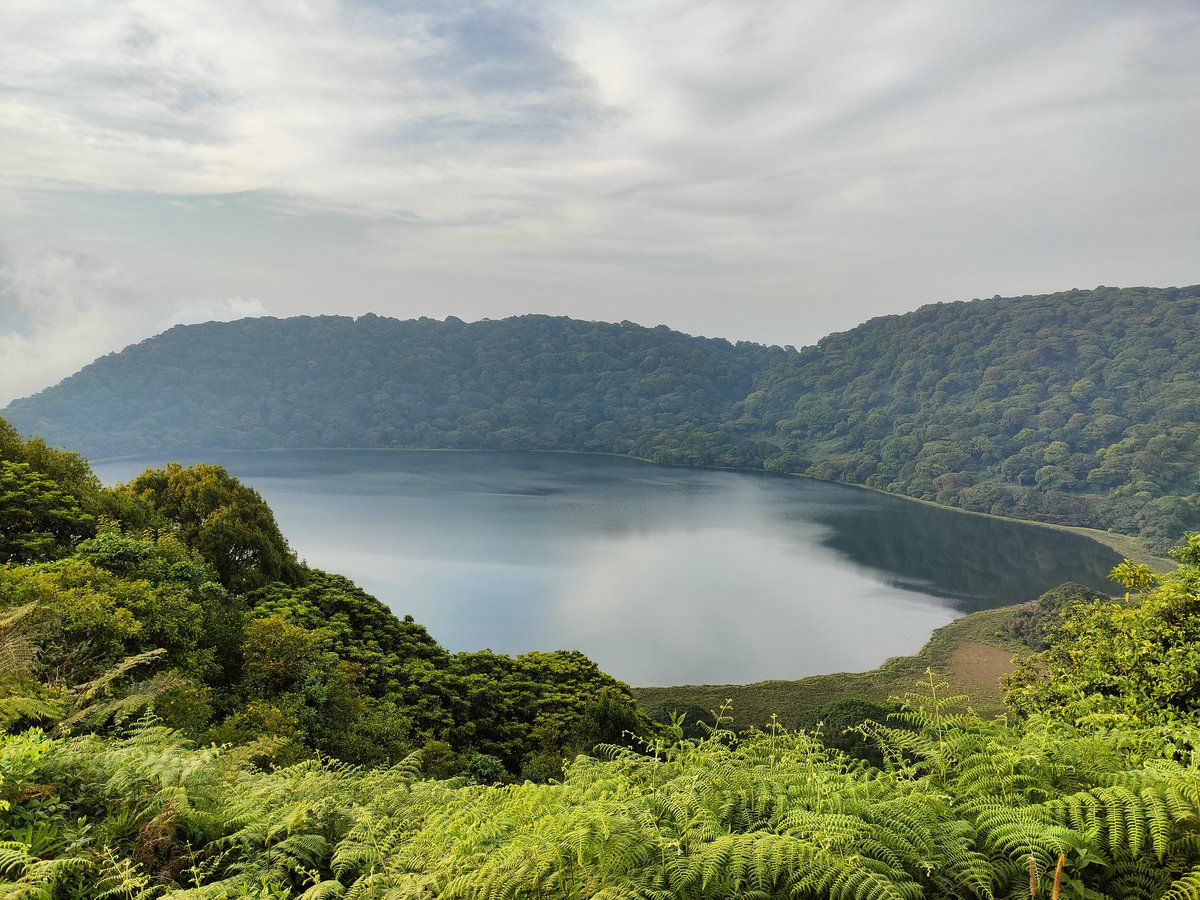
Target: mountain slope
1074 407
1079 407
532 382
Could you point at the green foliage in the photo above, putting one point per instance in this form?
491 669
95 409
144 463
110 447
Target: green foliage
958 809
1076 407
396 656
1133 576
1100 775
38 519
176 593
840 726
1110 663
226 522
401 690
533 710
692 722
1032 623
323 667
486 769
534 382
119 596
22 698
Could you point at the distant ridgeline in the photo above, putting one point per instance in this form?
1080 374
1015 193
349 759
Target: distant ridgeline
1080 407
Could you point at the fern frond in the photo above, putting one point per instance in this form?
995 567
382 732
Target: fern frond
30 708
17 647
99 686
325 890
1186 887
122 879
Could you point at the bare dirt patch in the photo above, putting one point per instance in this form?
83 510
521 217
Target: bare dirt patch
975 668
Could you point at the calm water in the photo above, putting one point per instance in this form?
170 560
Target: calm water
663 576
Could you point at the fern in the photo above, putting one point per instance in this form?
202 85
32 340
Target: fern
957 813
1186 887
39 878
121 879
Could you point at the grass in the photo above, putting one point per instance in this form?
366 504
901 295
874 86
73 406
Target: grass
970 653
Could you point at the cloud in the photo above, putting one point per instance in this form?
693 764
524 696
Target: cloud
59 310
751 115
361 104
755 168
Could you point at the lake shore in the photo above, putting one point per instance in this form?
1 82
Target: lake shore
971 653
662 574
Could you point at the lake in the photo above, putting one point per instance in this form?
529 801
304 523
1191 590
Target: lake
661 575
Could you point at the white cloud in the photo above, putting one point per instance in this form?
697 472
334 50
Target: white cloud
217 310
60 310
756 168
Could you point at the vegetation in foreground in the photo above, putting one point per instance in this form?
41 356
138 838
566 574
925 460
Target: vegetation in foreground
204 767
184 571
1077 408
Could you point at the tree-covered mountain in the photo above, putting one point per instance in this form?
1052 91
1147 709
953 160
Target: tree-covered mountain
1080 407
1076 407
533 382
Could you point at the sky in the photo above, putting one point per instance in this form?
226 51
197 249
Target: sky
748 169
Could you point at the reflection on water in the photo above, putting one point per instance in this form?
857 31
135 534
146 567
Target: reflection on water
663 576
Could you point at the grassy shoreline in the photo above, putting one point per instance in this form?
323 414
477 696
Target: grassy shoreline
754 704
1127 545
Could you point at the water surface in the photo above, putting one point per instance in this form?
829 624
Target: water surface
662 575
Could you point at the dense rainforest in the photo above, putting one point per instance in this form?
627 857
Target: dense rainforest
1080 407
187 711
533 382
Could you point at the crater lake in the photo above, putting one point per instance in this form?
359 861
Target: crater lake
661 575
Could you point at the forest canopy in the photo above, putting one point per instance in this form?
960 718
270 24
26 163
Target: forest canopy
1079 407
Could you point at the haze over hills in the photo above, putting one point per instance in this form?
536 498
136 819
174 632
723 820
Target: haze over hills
1080 407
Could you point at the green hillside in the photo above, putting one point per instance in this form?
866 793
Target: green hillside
1080 408
533 382
178 592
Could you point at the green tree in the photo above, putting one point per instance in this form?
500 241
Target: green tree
1114 664
38 519
228 523
1133 576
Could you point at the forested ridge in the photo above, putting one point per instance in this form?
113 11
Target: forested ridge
188 711
1079 407
533 382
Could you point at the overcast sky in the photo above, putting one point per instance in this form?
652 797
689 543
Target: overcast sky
770 171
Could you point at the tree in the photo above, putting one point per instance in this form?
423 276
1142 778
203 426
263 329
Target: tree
228 523
38 519
1113 664
1133 576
